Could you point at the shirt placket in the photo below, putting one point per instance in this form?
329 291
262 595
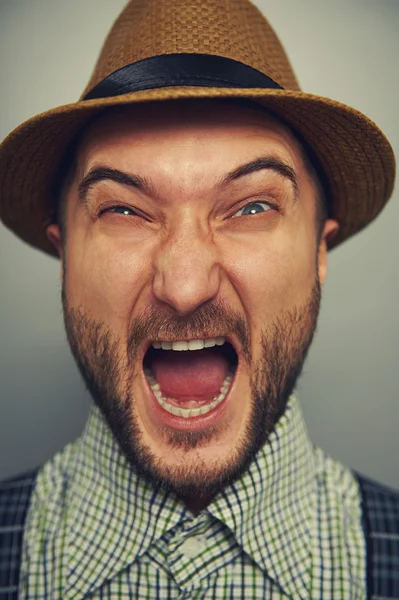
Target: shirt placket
186 550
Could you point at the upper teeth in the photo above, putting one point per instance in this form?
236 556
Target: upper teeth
190 345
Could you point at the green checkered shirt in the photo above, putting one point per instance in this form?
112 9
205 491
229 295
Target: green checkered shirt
289 528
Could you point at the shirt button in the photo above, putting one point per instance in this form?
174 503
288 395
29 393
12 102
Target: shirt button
192 546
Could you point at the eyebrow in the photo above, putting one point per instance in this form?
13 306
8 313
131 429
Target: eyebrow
272 163
101 173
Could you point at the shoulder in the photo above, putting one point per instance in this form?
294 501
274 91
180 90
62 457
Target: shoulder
374 508
19 481
351 487
338 482
37 488
376 489
26 512
380 506
15 494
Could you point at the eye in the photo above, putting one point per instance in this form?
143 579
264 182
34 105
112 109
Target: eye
253 208
120 210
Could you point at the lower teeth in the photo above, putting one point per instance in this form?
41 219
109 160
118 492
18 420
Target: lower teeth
186 413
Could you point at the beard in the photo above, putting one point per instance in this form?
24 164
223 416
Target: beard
109 373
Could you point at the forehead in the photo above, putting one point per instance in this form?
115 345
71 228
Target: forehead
158 126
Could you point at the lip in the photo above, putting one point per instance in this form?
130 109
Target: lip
229 339
166 419
180 423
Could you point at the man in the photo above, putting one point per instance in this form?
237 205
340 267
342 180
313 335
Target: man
192 196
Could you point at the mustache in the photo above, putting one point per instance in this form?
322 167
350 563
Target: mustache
215 318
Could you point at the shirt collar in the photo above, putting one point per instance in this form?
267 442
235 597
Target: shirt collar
114 515
270 508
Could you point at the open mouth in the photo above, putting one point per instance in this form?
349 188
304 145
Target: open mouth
190 378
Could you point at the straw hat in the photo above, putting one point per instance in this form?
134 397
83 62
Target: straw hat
168 49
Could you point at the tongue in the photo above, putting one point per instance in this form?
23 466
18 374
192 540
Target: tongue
190 375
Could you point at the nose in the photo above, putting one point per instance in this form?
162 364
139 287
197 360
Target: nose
187 271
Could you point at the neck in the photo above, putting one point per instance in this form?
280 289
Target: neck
195 504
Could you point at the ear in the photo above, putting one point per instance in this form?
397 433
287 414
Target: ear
330 230
54 235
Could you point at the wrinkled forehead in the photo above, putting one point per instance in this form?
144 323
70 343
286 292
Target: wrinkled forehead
160 120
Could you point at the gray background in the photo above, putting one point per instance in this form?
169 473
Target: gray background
346 49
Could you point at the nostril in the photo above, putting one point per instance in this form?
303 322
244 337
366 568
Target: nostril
186 281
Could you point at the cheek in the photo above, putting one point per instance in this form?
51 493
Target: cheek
106 282
270 277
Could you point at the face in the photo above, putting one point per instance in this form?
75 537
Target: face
191 222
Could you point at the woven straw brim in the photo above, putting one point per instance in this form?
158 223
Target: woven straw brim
356 157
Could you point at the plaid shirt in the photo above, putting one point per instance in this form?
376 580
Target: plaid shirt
290 527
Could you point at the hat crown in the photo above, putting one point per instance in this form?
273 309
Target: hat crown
234 29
